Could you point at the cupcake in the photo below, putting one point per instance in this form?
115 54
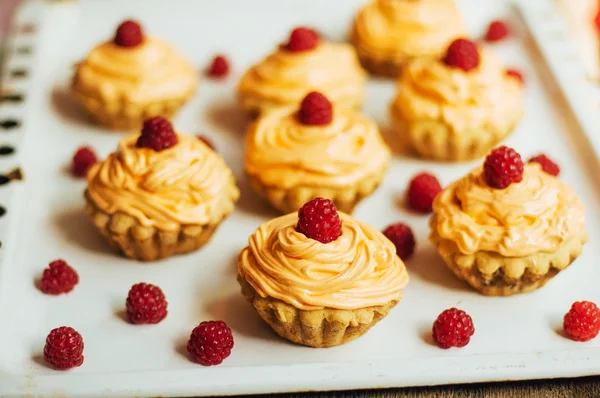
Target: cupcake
458 107
302 65
294 155
160 193
320 278
388 34
508 228
131 78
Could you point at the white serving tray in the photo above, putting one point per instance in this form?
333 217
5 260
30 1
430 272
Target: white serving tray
516 337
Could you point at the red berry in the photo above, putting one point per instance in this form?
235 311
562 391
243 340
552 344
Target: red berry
402 237
582 322
146 303
58 278
422 191
497 30
129 34
319 220
83 160
302 39
210 343
502 167
157 134
547 164
516 74
315 110
64 348
219 67
207 141
453 328
597 19
462 54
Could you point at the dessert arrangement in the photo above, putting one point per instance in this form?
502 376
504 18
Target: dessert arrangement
314 272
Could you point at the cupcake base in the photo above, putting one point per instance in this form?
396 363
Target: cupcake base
495 275
314 328
383 68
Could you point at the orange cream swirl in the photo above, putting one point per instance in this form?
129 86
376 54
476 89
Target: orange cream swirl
282 152
285 77
359 269
182 185
535 215
151 72
402 29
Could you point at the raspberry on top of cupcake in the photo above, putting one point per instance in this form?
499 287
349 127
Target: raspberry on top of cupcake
305 63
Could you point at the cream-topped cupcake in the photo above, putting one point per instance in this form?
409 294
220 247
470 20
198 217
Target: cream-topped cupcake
128 79
457 107
293 155
388 34
160 194
306 63
508 228
320 278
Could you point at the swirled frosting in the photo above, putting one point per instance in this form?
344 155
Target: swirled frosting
150 72
185 184
359 269
282 152
285 77
465 101
535 215
402 29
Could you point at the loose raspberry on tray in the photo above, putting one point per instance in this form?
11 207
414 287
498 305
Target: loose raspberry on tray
463 54
582 322
210 343
497 31
83 160
157 134
453 328
319 220
547 164
129 34
219 68
146 304
516 75
302 39
403 238
58 278
64 348
315 110
502 167
422 190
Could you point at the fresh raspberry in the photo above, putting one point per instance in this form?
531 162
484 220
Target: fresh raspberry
302 39
516 74
402 237
157 134
210 343
58 278
315 110
129 34
462 54
453 328
319 220
582 322
497 30
597 18
84 158
207 141
219 67
64 348
146 303
547 164
422 191
502 167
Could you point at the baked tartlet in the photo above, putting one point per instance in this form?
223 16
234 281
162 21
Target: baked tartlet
131 78
160 193
304 64
506 239
388 34
293 155
320 284
459 107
